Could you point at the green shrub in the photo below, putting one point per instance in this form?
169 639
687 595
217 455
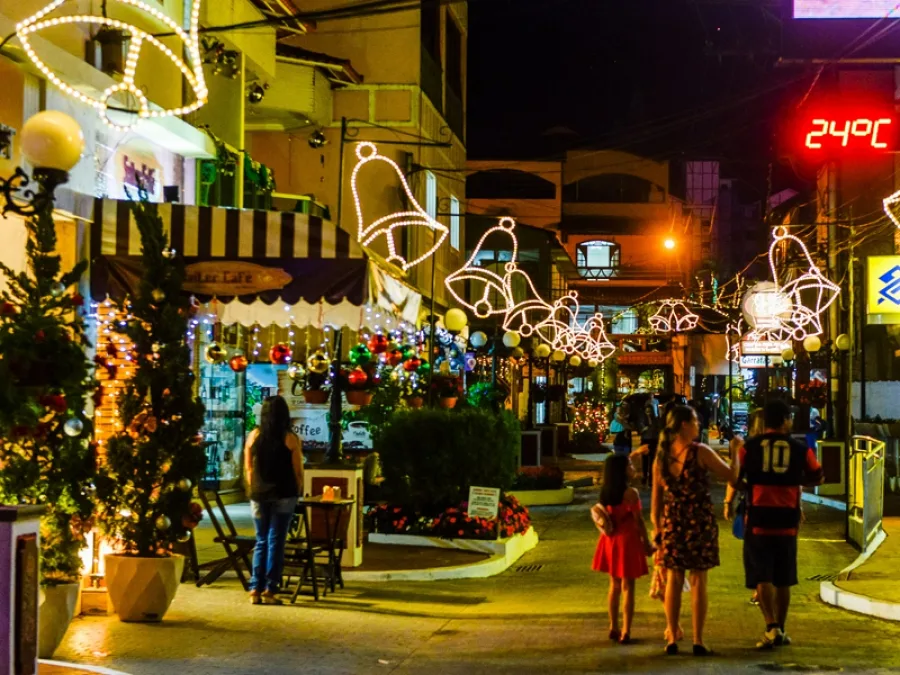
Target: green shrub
431 457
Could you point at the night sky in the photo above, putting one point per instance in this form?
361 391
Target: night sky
665 78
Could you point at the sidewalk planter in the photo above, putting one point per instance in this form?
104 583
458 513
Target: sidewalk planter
316 396
56 609
141 589
448 402
357 397
415 401
561 496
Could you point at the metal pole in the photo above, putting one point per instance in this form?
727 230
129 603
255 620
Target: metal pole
530 416
766 383
335 455
862 346
340 194
851 316
730 385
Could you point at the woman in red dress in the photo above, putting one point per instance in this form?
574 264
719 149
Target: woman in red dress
624 545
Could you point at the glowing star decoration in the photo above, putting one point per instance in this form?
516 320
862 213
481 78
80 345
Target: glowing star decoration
386 225
125 94
673 316
780 313
890 202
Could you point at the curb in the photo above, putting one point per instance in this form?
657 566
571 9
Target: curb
830 594
82 668
824 501
503 555
561 497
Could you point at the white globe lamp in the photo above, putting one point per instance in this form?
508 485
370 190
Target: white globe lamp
478 339
593 363
51 140
455 320
812 344
542 351
511 339
575 360
558 355
843 342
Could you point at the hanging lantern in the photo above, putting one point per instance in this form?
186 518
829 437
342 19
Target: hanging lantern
378 344
238 363
317 363
280 354
360 355
215 353
412 365
357 377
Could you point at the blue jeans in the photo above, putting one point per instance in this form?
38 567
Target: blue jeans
272 521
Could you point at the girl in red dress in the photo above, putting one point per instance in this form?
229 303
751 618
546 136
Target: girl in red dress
624 545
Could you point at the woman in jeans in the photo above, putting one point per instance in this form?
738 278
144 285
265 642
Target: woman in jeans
273 470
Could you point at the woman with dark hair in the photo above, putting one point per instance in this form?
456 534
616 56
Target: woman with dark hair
273 471
623 546
684 521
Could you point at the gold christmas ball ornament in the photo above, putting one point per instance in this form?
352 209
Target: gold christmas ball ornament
843 342
163 523
318 363
296 372
184 537
158 295
184 484
215 353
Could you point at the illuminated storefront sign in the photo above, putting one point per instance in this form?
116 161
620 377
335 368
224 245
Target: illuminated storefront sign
883 289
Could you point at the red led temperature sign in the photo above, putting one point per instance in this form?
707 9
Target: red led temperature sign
830 134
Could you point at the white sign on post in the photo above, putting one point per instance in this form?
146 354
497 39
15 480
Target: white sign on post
763 347
756 361
483 502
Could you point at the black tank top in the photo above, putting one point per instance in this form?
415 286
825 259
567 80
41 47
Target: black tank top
273 473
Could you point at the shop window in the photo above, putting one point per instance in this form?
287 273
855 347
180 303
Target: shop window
598 259
431 194
454 223
614 188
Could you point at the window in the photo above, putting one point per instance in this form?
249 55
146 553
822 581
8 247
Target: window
508 184
454 223
614 188
431 194
598 259
617 319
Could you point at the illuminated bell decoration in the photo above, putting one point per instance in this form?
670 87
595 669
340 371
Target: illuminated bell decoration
317 363
542 351
455 320
215 353
478 339
73 427
360 355
163 523
575 361
238 363
357 377
412 365
280 354
511 339
395 358
378 344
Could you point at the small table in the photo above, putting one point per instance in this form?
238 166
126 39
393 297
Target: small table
334 542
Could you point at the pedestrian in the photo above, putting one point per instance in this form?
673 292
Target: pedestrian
683 519
775 467
273 471
621 426
624 545
650 438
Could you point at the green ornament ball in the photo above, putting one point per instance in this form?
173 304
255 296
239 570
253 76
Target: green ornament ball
409 352
360 355
424 369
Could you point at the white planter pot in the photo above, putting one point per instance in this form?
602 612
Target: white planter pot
141 589
56 609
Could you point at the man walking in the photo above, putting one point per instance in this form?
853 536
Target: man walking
775 467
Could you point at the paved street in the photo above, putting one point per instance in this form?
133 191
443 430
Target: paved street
548 619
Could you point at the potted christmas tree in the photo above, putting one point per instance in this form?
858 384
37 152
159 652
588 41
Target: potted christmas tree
45 450
144 486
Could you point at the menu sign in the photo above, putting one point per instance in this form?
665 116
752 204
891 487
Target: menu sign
233 277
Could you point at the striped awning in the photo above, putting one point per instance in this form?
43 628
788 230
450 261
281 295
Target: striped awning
322 273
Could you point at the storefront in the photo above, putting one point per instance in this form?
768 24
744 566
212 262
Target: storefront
262 279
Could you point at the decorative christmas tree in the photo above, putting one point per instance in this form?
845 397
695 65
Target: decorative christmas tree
45 379
144 486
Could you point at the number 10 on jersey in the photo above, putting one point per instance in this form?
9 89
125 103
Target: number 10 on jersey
776 457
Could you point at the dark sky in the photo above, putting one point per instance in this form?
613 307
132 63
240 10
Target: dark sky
665 78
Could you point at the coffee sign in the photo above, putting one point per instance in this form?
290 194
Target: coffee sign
231 277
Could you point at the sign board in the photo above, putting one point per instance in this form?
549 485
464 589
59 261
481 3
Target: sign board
233 277
883 289
757 361
483 502
763 347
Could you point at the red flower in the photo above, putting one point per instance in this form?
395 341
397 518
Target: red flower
460 533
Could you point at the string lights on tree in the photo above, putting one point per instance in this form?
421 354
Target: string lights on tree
112 97
386 225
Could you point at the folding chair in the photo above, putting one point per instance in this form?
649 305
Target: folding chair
300 557
237 547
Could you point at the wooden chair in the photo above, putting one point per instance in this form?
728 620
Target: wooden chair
238 548
300 558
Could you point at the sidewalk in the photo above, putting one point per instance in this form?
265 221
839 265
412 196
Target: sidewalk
57 668
870 586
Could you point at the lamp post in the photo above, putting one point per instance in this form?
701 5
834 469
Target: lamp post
52 143
831 351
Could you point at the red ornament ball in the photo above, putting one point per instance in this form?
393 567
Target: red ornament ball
412 365
238 363
357 378
280 354
8 309
395 358
378 344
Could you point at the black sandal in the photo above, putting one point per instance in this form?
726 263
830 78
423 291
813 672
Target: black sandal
700 650
672 649
614 635
625 639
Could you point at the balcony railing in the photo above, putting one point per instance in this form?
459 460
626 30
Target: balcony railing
456 117
625 273
432 79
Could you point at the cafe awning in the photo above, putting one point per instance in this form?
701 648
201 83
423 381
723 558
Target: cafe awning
253 267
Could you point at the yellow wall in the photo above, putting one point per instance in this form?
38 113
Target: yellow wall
544 213
584 163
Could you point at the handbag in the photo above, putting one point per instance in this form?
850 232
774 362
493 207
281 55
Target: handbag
737 525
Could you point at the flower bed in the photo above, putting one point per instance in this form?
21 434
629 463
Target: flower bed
452 523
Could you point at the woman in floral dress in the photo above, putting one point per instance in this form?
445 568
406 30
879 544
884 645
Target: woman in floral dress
684 520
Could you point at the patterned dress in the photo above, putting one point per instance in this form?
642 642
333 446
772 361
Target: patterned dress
690 535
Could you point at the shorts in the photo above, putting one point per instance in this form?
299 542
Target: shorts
770 560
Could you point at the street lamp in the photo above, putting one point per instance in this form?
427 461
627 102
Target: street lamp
52 142
832 350
669 243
